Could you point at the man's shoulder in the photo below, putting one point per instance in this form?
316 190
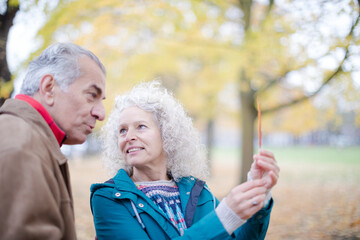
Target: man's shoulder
19 136
15 113
14 107
14 128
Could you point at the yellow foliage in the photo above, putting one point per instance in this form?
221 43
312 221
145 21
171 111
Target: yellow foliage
14 3
140 41
357 119
6 88
298 119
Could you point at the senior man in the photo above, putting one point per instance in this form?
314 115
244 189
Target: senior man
59 103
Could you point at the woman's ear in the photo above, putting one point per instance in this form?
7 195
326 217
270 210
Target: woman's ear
47 89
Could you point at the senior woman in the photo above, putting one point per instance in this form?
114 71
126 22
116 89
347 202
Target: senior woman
158 191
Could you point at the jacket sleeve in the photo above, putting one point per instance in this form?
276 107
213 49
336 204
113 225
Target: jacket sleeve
210 227
29 199
112 220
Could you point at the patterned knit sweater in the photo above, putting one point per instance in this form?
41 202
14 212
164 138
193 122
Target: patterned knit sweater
165 194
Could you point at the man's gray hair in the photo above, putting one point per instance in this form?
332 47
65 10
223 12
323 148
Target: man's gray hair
61 61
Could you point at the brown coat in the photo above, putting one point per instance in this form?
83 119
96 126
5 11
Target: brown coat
35 194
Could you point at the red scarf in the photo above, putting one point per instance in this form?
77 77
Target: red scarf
59 134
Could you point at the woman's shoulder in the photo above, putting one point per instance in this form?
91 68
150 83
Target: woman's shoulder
120 177
106 186
190 180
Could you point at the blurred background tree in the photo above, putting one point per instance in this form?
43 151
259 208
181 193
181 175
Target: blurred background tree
8 11
218 57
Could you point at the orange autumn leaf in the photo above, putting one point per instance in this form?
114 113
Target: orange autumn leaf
259 121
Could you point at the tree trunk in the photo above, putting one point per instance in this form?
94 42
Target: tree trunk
6 21
248 117
210 140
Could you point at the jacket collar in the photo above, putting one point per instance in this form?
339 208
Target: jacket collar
185 186
124 183
30 115
58 133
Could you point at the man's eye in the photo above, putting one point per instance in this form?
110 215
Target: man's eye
122 131
142 126
94 95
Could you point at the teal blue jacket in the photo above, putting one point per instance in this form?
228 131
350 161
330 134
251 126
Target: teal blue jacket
121 211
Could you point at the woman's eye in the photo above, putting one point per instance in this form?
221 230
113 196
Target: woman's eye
142 126
122 131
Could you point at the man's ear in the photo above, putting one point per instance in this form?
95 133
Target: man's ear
47 89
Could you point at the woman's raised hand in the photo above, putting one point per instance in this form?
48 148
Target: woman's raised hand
248 198
265 167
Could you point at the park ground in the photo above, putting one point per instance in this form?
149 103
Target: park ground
317 196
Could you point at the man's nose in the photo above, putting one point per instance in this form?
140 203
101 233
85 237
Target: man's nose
98 111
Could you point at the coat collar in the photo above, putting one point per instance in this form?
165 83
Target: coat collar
124 183
124 188
58 133
25 111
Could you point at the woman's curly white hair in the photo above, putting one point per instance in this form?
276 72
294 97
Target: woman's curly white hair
186 155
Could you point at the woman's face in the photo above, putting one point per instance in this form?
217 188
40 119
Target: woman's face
140 140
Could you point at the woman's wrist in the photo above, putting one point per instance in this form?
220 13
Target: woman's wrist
229 219
267 199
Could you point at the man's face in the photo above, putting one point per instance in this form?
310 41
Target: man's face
76 109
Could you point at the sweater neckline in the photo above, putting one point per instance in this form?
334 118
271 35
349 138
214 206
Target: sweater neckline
155 183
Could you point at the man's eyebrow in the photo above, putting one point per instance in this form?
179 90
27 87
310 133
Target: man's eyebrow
97 89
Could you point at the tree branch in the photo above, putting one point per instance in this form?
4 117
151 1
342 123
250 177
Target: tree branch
275 80
269 8
201 43
245 6
271 83
327 80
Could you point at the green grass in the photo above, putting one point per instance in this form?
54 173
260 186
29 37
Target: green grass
308 154
319 154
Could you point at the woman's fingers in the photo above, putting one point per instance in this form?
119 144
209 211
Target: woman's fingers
274 178
257 201
267 153
244 187
266 162
247 190
246 199
247 206
271 174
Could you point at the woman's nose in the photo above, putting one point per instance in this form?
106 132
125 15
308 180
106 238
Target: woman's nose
131 135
